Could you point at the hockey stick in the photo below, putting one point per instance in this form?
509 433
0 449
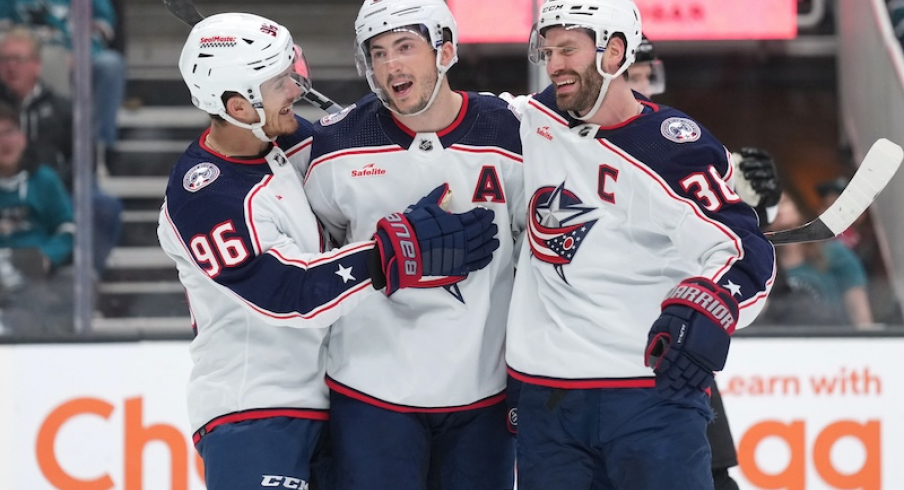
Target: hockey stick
186 11
878 167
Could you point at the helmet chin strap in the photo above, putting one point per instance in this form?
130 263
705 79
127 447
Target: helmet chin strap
440 74
256 128
607 79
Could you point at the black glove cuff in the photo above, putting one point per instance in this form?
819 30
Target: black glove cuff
375 267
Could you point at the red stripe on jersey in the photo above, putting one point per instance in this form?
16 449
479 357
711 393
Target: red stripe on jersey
345 252
448 129
202 141
498 151
313 314
295 149
584 384
264 413
671 193
361 397
545 110
252 230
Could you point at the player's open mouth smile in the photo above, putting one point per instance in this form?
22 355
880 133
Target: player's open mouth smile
402 88
565 86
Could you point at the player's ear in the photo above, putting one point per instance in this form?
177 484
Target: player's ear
239 108
448 53
615 54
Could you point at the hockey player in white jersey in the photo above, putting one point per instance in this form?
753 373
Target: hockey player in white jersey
757 184
260 286
417 380
640 261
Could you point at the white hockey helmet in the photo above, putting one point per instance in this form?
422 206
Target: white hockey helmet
237 52
602 18
432 19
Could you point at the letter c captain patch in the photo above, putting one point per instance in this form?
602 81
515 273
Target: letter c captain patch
200 176
680 130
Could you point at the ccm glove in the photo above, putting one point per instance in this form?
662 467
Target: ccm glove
690 339
425 240
757 181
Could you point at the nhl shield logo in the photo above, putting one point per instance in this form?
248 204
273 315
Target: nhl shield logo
425 145
680 130
200 176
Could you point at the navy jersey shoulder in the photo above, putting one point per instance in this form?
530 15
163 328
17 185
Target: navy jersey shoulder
354 127
495 123
305 130
205 190
665 139
485 120
670 142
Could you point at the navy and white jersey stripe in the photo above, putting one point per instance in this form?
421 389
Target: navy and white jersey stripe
262 291
423 350
617 216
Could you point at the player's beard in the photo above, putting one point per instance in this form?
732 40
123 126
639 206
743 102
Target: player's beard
422 89
590 82
280 125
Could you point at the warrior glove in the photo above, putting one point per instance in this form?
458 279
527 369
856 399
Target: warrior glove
690 339
426 240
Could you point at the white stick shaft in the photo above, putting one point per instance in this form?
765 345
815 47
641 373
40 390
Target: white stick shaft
877 169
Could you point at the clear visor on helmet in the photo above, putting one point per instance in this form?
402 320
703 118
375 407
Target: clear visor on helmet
647 78
301 72
539 53
375 53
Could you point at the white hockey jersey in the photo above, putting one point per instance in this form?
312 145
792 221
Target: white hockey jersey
261 292
616 217
438 349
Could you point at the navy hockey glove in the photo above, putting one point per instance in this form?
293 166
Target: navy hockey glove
425 240
690 339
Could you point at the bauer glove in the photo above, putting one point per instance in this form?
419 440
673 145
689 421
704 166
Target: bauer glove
426 240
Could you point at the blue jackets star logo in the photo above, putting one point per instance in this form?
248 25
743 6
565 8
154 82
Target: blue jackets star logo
556 228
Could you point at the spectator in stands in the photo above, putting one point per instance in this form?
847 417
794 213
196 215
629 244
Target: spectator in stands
863 240
51 20
36 215
47 122
829 273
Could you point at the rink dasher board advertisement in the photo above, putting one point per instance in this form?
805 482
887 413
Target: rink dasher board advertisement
807 414
816 413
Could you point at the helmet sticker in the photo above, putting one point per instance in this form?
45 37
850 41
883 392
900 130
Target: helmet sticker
217 42
200 176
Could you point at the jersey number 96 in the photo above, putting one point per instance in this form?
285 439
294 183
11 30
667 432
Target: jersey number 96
214 251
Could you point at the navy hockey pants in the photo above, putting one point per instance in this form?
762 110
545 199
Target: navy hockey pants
279 452
379 449
611 439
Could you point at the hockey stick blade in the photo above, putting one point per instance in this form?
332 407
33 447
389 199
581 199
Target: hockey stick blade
878 167
184 10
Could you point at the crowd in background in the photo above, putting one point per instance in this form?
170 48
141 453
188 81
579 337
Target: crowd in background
36 113
841 282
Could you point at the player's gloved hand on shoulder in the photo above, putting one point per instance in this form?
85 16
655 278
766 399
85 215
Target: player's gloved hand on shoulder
689 341
757 181
426 240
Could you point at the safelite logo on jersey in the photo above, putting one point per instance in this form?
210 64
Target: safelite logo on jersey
544 132
369 170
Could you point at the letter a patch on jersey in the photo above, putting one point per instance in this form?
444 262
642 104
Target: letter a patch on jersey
488 188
